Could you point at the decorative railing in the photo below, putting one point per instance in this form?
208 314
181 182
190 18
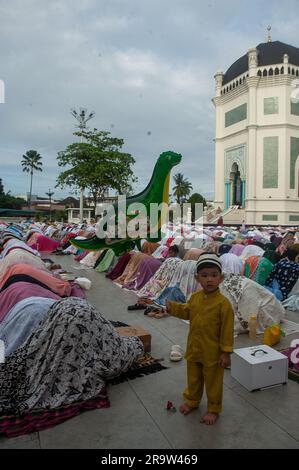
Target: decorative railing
263 71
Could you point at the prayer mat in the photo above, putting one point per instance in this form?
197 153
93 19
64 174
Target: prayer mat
293 375
117 324
12 426
144 366
293 371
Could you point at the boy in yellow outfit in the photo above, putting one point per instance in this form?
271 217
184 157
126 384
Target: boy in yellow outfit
210 340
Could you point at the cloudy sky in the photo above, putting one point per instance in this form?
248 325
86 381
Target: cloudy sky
145 67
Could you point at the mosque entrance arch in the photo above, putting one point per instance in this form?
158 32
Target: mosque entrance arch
236 196
235 176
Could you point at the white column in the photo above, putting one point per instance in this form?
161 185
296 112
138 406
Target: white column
219 157
219 174
252 61
251 156
285 64
218 82
283 169
252 147
219 164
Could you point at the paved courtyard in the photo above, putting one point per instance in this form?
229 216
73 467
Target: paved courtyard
137 418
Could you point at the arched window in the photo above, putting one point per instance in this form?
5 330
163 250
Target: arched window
289 70
259 73
293 71
276 71
265 73
297 73
282 70
230 87
234 85
271 72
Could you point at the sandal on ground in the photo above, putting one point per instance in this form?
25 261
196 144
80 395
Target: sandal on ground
152 313
176 353
155 312
145 301
161 314
136 307
148 311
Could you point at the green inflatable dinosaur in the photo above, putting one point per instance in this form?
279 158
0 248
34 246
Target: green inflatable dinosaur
157 191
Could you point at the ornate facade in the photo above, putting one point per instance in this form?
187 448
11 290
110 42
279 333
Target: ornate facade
257 135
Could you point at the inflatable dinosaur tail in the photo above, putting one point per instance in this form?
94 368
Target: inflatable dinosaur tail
157 191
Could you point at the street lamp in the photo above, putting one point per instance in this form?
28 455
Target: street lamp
82 117
50 194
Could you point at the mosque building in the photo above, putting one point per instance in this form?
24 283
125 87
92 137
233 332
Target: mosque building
257 135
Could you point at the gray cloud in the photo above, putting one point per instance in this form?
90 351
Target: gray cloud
145 68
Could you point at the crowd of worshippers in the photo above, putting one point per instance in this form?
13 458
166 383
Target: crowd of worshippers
42 315
269 259
59 349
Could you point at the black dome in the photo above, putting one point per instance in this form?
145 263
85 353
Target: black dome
268 53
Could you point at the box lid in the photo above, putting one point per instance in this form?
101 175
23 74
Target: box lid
259 354
135 330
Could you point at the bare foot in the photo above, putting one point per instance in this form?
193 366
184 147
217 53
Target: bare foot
209 418
186 409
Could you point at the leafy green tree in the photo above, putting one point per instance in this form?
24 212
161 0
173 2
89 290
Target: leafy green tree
1 188
59 215
97 164
7 201
11 202
31 162
196 198
182 188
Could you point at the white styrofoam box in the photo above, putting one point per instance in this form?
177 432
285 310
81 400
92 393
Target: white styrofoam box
258 367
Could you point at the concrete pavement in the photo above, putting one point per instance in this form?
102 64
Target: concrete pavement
137 418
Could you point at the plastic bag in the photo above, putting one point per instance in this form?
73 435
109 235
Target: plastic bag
272 335
83 282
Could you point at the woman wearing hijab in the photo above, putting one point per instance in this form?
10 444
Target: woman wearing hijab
284 274
65 360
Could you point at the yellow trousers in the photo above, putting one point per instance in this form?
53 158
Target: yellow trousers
199 375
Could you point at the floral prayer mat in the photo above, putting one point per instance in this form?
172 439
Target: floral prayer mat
12 426
293 369
144 366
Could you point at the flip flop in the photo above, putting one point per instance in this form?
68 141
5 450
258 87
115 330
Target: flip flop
176 353
136 307
145 301
151 313
148 311
161 314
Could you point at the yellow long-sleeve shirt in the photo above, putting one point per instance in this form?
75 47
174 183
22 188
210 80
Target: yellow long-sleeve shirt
211 326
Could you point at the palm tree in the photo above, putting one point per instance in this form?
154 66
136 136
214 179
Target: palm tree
31 161
182 188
